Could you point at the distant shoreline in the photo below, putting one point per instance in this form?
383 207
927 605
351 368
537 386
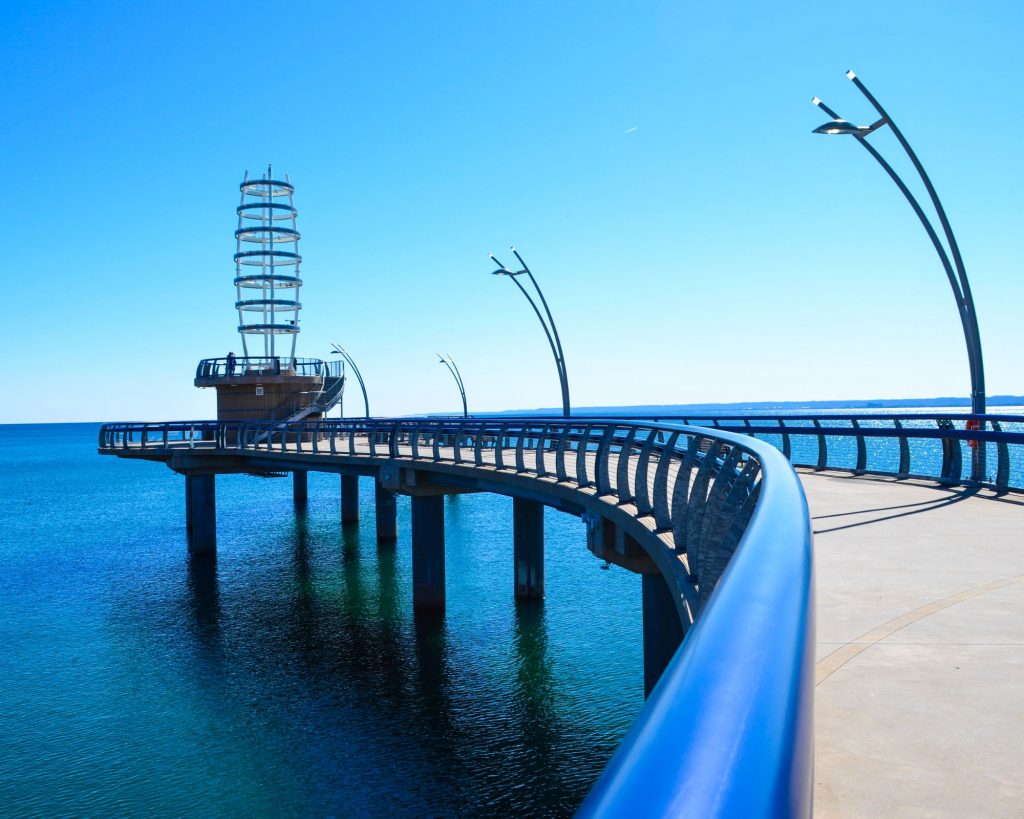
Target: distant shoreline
761 406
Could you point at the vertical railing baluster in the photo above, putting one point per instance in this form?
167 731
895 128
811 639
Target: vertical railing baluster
601 475
903 470
709 565
681 493
622 487
786 443
951 458
697 503
641 488
414 440
582 479
520 449
564 440
1002 461
478 445
822 447
862 452
499 458
393 440
540 462
662 513
457 446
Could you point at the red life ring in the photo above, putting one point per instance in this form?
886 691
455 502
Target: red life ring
971 425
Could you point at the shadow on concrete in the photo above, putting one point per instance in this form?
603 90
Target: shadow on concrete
937 501
925 506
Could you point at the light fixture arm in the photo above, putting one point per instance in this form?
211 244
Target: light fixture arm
359 376
547 332
557 345
965 299
547 310
454 370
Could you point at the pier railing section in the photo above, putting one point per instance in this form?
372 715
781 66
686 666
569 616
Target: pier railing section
728 728
259 366
926 446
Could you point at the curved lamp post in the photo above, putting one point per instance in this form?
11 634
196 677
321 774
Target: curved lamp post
339 350
955 271
549 326
449 362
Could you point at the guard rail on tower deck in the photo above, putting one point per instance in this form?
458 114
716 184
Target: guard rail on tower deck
216 368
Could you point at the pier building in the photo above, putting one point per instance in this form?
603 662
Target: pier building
267 382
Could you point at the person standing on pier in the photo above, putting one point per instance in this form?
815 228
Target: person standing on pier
231 364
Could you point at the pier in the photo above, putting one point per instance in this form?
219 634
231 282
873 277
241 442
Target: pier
916 575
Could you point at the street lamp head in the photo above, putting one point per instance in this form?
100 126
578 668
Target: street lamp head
841 126
850 75
503 271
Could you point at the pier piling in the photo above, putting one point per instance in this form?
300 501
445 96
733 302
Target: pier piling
528 548
662 630
201 513
300 487
386 504
428 552
350 499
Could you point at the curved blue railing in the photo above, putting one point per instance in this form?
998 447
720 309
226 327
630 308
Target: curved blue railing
728 730
932 446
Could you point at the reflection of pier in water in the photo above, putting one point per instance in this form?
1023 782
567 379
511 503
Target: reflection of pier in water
339 636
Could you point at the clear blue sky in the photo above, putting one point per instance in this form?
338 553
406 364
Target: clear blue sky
652 161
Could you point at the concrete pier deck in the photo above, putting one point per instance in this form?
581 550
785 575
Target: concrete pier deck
920 654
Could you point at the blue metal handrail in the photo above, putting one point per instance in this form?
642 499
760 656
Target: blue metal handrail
728 730
956 434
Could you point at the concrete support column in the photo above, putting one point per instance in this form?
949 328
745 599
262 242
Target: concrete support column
528 548
662 630
350 499
300 486
386 503
428 552
201 513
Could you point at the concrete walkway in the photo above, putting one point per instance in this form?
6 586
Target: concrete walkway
920 672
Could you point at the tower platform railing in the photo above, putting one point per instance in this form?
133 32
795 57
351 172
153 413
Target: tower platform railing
215 368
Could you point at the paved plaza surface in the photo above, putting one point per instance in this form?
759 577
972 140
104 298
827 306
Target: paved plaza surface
920 652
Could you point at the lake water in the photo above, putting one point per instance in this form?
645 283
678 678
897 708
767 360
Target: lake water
291 677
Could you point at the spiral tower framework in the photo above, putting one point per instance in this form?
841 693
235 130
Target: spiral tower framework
267 260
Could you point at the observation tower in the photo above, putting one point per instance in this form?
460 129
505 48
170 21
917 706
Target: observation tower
267 382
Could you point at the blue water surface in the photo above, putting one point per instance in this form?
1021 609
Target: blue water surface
290 676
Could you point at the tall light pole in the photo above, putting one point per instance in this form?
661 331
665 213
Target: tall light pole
339 350
449 362
549 325
955 271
